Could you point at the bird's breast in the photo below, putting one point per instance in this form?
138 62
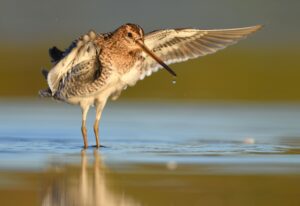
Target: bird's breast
132 75
123 59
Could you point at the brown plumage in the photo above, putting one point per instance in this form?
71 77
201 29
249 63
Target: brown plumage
98 66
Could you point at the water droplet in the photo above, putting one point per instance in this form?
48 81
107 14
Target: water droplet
172 165
174 81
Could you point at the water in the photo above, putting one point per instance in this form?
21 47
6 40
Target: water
154 154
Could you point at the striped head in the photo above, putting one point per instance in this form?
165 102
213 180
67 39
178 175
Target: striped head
130 33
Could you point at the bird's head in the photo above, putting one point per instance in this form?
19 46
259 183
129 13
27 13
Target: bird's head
133 36
130 33
134 32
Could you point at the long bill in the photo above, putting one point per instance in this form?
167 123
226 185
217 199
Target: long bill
156 58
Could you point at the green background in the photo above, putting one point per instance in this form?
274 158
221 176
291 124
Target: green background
264 67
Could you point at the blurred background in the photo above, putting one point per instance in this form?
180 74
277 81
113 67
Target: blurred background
226 133
264 67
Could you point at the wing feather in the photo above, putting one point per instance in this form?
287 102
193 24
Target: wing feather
178 45
77 81
83 51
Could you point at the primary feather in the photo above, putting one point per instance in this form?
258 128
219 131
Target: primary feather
178 45
81 50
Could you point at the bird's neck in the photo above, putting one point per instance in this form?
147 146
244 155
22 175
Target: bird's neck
120 57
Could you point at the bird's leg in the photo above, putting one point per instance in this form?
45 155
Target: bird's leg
96 131
85 110
99 107
84 133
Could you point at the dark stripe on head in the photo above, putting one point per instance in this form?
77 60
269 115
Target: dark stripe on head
137 28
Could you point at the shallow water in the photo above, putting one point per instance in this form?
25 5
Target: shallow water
155 153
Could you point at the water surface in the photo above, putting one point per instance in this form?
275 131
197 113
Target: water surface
155 153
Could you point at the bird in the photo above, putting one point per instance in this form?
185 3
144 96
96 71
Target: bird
99 66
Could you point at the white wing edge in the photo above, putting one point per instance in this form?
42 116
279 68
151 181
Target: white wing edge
77 55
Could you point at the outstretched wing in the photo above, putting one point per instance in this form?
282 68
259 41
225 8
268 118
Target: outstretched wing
178 45
81 51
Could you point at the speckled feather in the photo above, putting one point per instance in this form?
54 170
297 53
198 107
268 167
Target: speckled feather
104 55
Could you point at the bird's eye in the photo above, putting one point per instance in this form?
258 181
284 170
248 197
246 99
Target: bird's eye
129 34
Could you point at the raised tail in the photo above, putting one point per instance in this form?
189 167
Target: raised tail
45 73
55 54
45 93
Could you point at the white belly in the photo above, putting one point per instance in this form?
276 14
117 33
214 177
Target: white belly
115 85
130 78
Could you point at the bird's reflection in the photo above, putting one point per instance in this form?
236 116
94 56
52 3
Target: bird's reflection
84 186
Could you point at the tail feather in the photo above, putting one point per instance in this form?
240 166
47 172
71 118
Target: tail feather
45 93
45 73
55 54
